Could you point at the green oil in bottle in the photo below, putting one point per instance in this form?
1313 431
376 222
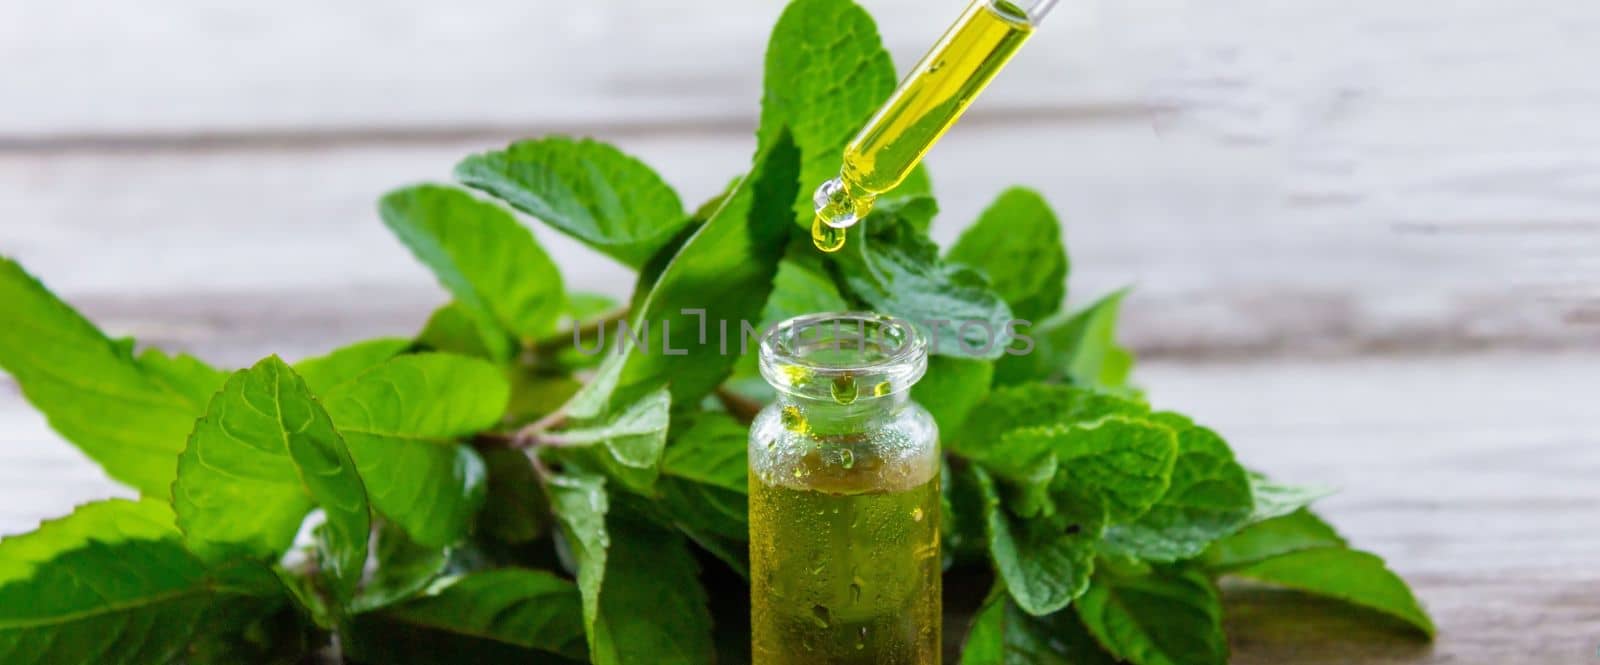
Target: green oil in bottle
925 105
844 570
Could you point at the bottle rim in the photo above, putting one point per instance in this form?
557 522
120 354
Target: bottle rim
811 355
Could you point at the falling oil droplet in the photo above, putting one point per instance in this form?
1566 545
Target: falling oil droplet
861 638
855 592
881 389
844 389
826 238
847 459
916 515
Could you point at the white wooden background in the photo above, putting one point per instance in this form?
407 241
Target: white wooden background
1365 233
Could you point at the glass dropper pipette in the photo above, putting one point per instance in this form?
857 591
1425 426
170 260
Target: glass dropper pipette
924 106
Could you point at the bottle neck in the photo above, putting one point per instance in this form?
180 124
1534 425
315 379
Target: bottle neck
831 417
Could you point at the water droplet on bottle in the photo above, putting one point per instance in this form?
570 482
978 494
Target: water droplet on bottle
821 616
792 419
916 514
847 459
844 388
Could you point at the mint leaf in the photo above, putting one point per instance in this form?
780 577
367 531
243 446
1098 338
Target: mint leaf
641 599
587 189
709 448
1045 563
652 608
129 415
1209 498
1016 243
403 569
802 286
580 505
515 510
1299 530
262 457
454 328
703 484
1002 634
111 583
462 619
402 421
1031 405
725 270
491 263
951 388
326 371
1126 463
896 270
1355 577
826 73
1080 349
632 437
1274 499
1167 617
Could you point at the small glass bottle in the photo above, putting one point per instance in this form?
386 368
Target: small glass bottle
844 497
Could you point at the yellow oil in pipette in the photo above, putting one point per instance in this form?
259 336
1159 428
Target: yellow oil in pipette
930 99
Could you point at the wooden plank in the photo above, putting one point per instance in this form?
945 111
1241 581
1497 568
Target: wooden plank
1473 475
164 242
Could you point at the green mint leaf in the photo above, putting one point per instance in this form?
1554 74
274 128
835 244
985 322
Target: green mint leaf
508 615
1002 634
826 73
652 608
951 388
1122 463
1274 499
724 270
704 484
404 568
964 517
402 421
580 505
1167 617
583 306
632 439
535 394
326 371
129 415
1080 349
483 256
709 448
1031 405
263 456
183 374
1045 563
802 286
641 599
453 328
896 270
1016 242
515 510
586 189
111 584
1352 576
1299 530
1209 498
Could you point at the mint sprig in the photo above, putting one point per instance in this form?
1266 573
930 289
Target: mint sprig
485 492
